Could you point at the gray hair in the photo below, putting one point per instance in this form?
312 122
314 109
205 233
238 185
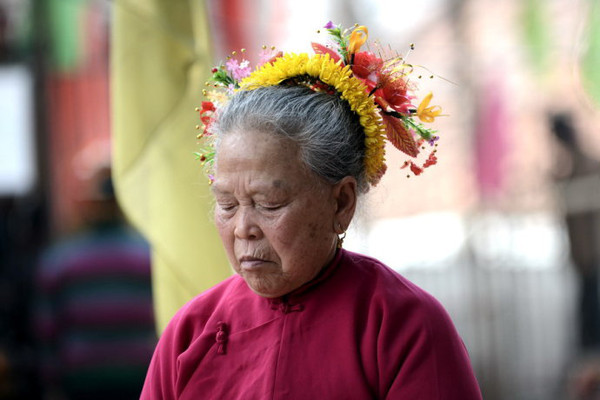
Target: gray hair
328 133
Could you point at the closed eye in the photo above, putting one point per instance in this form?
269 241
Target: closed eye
271 207
226 207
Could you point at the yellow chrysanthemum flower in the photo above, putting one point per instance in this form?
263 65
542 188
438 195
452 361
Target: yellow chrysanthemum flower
326 70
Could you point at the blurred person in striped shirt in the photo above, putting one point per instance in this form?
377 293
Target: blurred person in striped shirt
95 320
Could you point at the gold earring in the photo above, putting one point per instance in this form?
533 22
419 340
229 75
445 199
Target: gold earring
341 238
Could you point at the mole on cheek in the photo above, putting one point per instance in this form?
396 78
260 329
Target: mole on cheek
277 184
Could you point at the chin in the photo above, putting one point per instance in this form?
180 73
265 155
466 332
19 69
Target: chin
265 287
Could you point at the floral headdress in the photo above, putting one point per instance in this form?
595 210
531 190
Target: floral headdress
378 89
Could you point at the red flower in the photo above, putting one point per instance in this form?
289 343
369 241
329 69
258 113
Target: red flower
431 160
207 106
399 136
206 114
275 57
393 94
390 89
320 49
367 67
415 169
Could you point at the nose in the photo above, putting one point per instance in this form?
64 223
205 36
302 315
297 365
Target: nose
246 226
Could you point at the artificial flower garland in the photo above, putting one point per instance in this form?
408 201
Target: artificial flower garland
323 68
377 90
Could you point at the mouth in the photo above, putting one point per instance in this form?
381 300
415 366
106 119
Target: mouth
249 263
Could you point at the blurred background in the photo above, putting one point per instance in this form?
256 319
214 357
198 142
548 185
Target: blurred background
504 231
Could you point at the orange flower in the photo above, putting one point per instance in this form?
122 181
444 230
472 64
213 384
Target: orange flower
358 37
428 114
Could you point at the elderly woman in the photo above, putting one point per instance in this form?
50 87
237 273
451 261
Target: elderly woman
303 318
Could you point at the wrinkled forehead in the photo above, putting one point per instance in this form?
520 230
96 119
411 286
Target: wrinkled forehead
262 153
261 161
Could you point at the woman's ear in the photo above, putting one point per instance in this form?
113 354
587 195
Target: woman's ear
344 194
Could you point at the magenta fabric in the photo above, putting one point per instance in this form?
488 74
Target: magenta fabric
358 331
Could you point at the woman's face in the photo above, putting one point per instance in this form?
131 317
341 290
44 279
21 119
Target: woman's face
274 216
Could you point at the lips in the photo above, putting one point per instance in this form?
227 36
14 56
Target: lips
251 262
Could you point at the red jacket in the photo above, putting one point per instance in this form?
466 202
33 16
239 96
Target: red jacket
357 331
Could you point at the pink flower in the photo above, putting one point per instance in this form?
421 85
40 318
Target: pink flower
230 89
268 56
238 70
329 25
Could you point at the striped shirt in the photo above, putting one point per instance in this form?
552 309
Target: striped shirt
94 315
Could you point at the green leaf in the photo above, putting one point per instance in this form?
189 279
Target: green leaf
425 133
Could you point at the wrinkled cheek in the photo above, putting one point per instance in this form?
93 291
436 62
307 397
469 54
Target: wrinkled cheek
320 226
313 230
